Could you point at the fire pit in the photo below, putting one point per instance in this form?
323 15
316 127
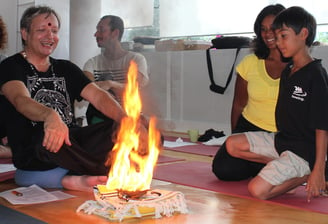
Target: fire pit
131 195
154 203
127 192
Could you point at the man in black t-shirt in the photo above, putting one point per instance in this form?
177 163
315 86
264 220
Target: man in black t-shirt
48 148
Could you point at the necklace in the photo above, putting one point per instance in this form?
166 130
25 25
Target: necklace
42 64
39 81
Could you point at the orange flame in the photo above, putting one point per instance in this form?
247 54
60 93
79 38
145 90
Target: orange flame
131 171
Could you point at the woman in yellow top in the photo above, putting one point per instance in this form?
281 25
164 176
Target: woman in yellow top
255 97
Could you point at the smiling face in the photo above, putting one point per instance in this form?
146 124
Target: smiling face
267 33
42 37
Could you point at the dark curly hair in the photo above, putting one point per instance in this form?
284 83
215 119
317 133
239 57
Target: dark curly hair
3 34
259 47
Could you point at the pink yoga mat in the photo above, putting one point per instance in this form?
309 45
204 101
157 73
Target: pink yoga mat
199 175
198 149
7 175
5 160
161 160
167 159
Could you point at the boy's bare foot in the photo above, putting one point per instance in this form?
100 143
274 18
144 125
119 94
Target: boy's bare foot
5 152
83 183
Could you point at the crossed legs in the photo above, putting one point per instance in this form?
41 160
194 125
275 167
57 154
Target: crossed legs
273 180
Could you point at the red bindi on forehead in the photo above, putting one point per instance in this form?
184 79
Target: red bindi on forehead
49 24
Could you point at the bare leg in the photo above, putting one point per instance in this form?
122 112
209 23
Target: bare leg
261 189
5 152
82 183
326 177
238 146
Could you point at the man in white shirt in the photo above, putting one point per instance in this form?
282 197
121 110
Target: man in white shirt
109 68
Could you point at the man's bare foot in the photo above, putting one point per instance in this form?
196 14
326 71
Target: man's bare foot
83 183
5 152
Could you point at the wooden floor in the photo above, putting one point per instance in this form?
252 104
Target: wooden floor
205 207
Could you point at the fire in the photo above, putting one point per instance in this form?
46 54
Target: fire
132 171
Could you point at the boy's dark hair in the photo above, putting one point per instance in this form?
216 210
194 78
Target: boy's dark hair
115 22
297 18
260 48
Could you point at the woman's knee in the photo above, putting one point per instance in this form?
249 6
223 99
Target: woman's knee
231 145
225 167
236 143
220 169
220 162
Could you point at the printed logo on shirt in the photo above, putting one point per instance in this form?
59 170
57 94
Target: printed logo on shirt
51 92
298 93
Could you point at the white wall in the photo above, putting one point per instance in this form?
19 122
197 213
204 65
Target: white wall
179 92
85 15
204 17
135 13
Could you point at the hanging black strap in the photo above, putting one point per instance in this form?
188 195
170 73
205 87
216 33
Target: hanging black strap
214 87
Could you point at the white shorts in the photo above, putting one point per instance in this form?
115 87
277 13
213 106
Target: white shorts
283 167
